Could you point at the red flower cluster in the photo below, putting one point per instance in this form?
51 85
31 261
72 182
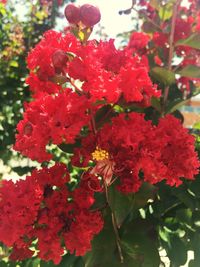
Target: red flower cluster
51 119
73 83
41 208
105 73
101 68
134 150
138 41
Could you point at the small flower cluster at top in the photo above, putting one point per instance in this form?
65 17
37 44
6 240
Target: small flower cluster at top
72 81
156 45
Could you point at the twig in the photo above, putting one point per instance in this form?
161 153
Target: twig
171 48
99 208
75 87
147 18
114 223
93 125
127 11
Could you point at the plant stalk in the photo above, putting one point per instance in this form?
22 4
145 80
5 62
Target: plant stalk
171 48
118 241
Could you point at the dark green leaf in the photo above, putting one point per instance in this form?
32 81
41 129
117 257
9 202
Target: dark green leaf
195 186
146 192
69 148
190 71
121 204
185 197
155 102
47 264
177 252
140 243
104 114
192 41
193 263
163 75
176 104
67 260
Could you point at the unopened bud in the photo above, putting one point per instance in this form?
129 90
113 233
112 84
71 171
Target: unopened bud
59 59
28 128
42 75
72 13
90 15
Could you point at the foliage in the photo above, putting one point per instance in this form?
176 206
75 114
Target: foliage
131 186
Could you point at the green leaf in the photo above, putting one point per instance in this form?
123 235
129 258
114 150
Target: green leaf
178 251
196 126
140 243
155 102
185 197
190 71
176 104
165 12
103 248
121 204
146 192
2 9
78 263
104 114
192 41
47 264
163 75
184 216
3 264
193 263
195 186
13 63
67 260
69 148
138 249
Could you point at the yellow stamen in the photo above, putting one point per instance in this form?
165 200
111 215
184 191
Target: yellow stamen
100 154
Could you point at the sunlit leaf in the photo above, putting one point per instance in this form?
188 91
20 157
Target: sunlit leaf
192 41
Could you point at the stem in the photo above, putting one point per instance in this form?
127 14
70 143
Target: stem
118 241
99 208
137 11
75 87
93 125
147 18
107 113
171 48
171 208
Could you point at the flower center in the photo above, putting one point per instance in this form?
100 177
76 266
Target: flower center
100 154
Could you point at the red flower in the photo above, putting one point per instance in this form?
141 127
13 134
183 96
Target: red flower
51 124
133 146
38 208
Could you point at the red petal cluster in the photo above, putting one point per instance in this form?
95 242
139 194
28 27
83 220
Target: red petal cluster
101 68
138 41
143 152
51 119
39 208
104 71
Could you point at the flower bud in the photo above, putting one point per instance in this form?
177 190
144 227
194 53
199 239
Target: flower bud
90 15
28 128
59 59
42 76
72 13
